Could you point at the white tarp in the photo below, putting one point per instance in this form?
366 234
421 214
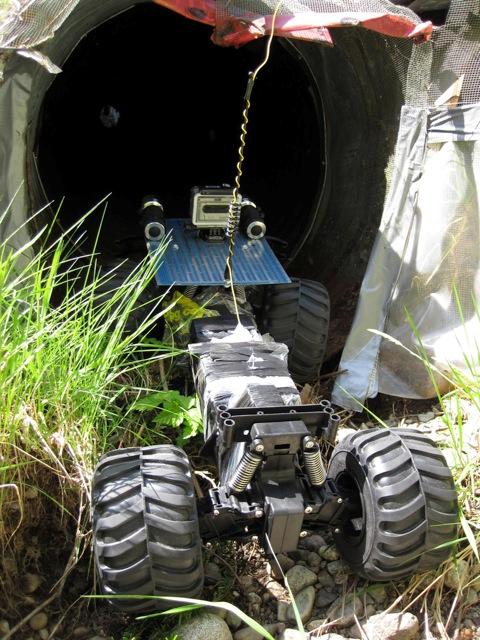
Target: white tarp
423 277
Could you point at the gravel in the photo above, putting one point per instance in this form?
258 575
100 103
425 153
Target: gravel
300 577
38 621
388 626
205 626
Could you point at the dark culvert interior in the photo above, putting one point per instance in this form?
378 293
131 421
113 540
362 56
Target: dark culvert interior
147 104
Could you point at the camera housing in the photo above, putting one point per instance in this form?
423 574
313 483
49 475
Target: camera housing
210 206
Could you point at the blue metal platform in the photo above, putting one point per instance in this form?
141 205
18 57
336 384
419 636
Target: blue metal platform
189 260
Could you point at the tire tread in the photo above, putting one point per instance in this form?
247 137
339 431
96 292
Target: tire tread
145 526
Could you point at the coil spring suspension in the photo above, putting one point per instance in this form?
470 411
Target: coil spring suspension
190 291
243 475
313 462
240 293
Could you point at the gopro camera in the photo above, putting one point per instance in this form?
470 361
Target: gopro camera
210 206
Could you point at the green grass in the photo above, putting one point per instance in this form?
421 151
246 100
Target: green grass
430 591
69 374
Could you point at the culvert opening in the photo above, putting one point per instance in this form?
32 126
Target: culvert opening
146 104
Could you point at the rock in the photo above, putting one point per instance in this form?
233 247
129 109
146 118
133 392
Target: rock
285 562
328 553
254 598
38 621
246 582
471 598
313 561
31 493
44 634
330 636
426 417
344 610
316 624
10 565
300 577
299 554
4 627
341 578
294 634
476 584
369 610
324 598
233 621
249 634
312 543
325 579
282 609
388 626
337 566
304 600
213 572
206 626
378 592
80 632
276 590
31 582
457 576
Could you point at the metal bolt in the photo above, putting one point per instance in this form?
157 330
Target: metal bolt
337 531
258 513
258 445
340 501
216 512
303 534
309 443
308 509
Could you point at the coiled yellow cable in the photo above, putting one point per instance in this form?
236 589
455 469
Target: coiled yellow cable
235 205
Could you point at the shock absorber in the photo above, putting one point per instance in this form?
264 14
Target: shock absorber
312 460
249 463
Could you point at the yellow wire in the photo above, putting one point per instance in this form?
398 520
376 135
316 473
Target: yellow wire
241 157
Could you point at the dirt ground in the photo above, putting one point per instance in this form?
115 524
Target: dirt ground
45 540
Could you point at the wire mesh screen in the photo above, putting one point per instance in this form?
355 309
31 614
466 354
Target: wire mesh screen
27 23
457 52
290 7
453 53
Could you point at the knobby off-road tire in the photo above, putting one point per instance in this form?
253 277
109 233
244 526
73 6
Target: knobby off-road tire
298 314
145 527
406 503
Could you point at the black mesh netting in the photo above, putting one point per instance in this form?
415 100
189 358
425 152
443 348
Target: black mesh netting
426 73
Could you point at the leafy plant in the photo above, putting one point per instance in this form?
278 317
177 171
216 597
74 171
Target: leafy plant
176 411
69 370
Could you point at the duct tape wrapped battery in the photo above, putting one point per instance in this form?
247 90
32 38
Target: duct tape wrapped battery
242 374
